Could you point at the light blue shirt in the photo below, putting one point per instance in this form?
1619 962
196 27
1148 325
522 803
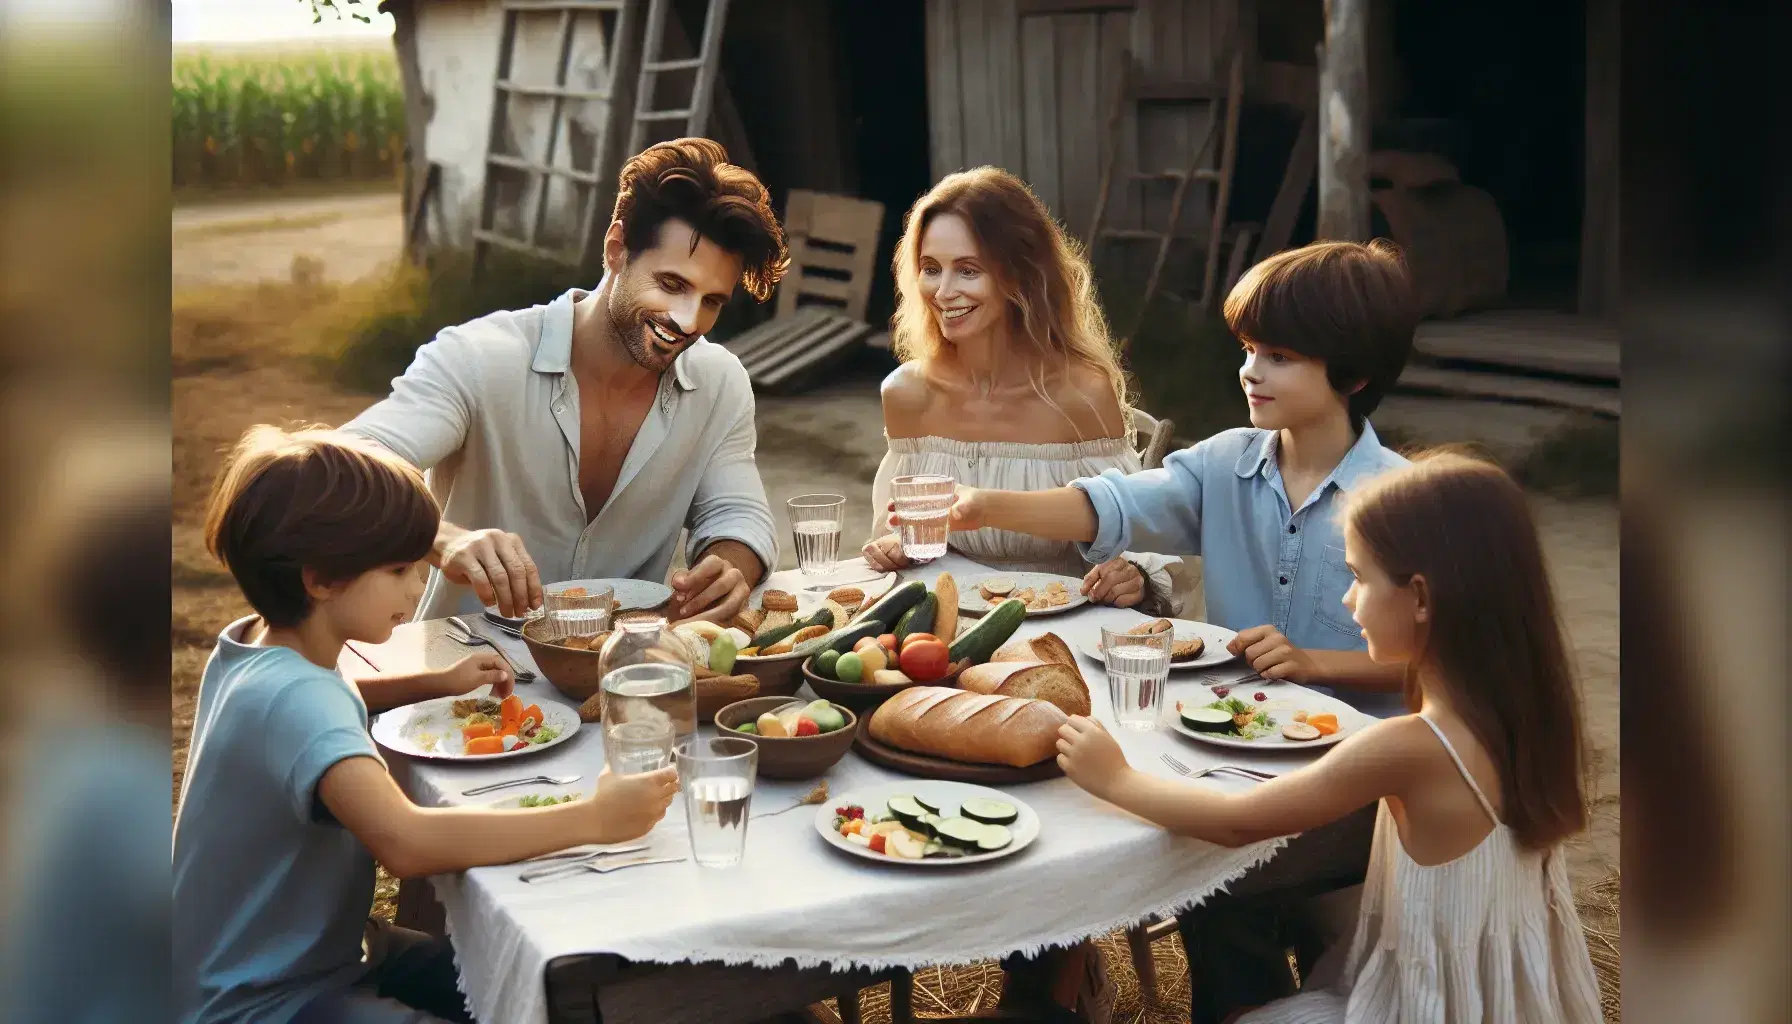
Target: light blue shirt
1262 561
271 895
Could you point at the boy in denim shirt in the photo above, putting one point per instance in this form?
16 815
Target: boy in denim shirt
286 803
1326 330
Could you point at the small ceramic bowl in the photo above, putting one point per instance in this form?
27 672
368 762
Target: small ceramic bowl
573 672
788 757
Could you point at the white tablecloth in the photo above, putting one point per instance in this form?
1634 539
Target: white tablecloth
1093 868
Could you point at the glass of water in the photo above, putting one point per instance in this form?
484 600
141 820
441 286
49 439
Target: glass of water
816 520
1138 669
576 611
716 774
639 746
922 504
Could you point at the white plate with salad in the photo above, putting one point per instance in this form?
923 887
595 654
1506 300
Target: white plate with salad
442 729
1281 720
928 823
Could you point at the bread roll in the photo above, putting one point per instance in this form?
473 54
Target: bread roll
1046 647
972 727
1060 685
985 678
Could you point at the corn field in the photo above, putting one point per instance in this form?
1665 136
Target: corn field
283 117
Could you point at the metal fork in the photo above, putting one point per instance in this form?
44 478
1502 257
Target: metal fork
1186 772
467 638
543 780
595 866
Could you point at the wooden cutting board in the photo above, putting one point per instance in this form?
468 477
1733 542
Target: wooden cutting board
927 766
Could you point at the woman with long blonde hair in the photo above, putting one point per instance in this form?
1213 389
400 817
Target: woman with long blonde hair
1009 378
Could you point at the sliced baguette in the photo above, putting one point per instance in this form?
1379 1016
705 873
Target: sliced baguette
1046 647
1060 685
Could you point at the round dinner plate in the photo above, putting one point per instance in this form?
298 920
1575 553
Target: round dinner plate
1214 653
972 601
948 796
1281 707
631 595
427 729
811 591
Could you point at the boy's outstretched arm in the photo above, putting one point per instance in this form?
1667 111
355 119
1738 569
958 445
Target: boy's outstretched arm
1062 513
412 841
383 691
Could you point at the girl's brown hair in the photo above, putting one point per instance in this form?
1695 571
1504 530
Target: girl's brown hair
1494 638
313 499
1052 305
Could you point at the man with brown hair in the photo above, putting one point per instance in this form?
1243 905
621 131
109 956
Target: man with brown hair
576 439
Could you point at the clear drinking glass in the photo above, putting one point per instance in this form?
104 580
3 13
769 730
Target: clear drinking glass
577 611
816 521
647 708
1138 670
716 774
922 505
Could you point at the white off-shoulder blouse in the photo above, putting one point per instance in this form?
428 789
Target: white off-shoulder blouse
1017 466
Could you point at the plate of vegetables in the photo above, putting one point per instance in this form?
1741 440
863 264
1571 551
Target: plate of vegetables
1253 719
476 728
933 823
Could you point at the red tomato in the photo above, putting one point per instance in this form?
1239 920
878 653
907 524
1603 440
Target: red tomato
807 727
888 640
925 660
877 843
912 637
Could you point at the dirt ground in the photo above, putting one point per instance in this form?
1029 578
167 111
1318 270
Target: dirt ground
827 440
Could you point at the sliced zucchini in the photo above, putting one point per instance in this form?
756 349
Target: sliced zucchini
930 825
930 808
905 810
989 812
994 838
1207 719
960 831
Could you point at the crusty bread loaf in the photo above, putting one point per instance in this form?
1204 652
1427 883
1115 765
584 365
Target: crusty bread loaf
972 727
985 678
1046 647
1154 626
1060 685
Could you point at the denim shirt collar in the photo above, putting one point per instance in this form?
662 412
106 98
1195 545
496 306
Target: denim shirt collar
1358 463
553 352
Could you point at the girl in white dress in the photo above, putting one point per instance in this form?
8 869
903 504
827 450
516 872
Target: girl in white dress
1009 378
1467 913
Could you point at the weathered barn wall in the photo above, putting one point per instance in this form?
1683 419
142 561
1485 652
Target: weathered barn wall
1032 92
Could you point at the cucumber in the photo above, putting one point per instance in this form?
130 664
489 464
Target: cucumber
930 808
994 838
1207 719
918 619
839 641
905 810
961 832
990 633
820 617
889 608
989 812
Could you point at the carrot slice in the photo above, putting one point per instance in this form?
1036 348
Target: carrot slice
1325 723
485 745
534 711
478 729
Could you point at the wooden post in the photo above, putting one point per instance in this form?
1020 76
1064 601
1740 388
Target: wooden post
1344 122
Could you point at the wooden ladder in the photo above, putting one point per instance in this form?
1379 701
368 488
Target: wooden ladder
1209 163
627 92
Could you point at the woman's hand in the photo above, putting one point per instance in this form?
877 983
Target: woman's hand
1117 582
885 553
1090 756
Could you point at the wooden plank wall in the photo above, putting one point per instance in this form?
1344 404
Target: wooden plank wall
1032 94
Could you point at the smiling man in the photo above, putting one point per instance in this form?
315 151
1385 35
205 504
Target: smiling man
575 440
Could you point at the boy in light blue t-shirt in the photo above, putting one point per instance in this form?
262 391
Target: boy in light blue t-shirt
286 803
1326 330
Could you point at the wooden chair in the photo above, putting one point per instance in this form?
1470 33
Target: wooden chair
1153 437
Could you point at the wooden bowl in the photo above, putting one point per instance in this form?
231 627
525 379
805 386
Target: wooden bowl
788 757
777 675
574 673
864 696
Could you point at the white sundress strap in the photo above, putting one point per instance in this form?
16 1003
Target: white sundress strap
1460 767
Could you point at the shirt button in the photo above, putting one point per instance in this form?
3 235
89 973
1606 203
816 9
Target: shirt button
1283 580
1291 528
